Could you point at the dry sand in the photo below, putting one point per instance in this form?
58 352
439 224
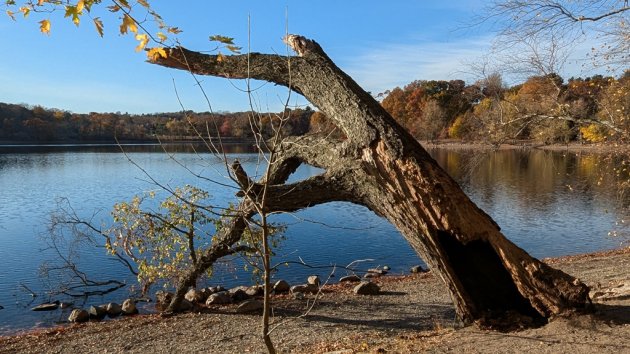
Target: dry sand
414 314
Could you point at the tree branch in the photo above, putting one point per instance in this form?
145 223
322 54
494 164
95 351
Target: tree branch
312 74
310 192
268 67
315 150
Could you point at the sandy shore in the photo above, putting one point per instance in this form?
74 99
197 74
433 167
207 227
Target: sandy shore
527 144
414 314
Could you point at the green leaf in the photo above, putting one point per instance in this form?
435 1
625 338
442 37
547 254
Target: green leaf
233 48
222 39
73 11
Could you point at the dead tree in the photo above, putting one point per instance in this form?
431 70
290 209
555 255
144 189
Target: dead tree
381 166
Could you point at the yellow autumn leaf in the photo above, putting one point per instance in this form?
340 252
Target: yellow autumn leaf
44 26
144 3
156 53
162 36
40 2
11 14
80 6
25 11
220 58
128 23
74 12
144 39
99 26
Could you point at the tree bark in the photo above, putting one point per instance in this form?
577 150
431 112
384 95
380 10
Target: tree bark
381 166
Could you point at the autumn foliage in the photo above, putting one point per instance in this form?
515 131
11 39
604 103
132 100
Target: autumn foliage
543 108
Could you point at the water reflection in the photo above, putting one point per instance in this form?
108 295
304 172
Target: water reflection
549 202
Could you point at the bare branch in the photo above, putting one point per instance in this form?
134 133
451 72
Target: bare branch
267 67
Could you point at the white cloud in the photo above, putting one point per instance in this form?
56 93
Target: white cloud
385 66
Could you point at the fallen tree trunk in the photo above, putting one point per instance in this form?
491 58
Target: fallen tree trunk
381 166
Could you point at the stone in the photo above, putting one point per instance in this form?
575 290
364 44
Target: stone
113 309
185 305
298 296
377 271
367 288
215 289
255 290
239 293
78 316
219 298
371 275
49 306
313 280
97 312
350 279
193 295
235 289
163 299
249 306
304 288
417 269
65 305
129 307
281 286
203 295
386 268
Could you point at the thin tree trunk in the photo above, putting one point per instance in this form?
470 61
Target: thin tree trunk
381 166
267 284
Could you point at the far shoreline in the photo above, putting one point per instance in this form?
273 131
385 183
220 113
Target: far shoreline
224 140
451 144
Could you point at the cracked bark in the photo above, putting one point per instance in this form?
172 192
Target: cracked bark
381 166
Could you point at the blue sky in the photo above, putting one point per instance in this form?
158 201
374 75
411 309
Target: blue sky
380 44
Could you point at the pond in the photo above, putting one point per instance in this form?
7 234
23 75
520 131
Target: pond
550 203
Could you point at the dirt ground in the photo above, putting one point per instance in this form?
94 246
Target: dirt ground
414 314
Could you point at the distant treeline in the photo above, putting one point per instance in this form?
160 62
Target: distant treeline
24 123
543 108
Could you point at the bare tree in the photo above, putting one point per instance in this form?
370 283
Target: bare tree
535 40
381 166
605 22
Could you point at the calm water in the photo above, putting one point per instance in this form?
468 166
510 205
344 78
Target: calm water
550 203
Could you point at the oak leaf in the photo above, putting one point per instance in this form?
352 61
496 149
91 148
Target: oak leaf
44 26
144 39
156 53
128 24
99 26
